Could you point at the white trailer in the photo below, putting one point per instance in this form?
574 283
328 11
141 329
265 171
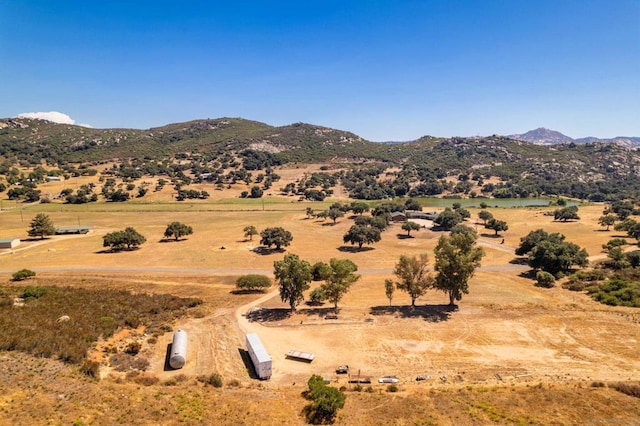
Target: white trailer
178 349
259 356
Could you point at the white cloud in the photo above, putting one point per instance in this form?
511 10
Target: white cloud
53 116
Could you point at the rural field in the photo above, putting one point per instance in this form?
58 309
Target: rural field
510 353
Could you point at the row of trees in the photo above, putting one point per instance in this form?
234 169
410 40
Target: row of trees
456 259
42 225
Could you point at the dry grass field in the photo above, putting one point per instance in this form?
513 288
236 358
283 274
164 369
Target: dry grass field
511 353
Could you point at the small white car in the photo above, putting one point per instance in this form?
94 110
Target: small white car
388 379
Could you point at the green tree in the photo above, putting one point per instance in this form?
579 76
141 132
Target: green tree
309 212
607 220
533 238
566 213
250 231
359 234
410 226
413 275
359 207
40 226
615 242
618 258
555 257
320 271
412 204
485 215
317 296
340 279
448 218
625 225
326 401
334 214
276 236
253 282
119 240
177 230
293 276
464 229
389 289
456 261
256 192
497 225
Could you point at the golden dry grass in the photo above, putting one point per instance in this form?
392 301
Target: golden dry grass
505 325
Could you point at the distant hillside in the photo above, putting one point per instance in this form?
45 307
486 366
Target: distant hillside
553 164
34 140
542 136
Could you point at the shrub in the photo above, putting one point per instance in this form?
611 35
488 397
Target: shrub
133 348
146 380
545 279
23 274
90 369
214 380
392 388
631 389
253 282
34 291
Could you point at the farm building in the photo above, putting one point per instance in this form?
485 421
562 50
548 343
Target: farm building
9 243
398 217
422 215
61 230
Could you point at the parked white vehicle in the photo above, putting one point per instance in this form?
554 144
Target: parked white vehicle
388 379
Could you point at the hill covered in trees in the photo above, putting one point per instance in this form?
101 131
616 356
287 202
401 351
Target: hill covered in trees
424 167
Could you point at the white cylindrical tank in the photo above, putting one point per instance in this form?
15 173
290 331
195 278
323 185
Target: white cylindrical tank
178 349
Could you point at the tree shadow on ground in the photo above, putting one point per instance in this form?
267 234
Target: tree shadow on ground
111 251
352 249
530 274
329 224
494 236
319 312
35 239
430 313
519 261
248 364
171 240
269 315
248 291
265 251
404 236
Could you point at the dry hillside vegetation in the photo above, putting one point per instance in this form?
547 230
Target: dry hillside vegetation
511 352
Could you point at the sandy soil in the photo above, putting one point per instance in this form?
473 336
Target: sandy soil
506 330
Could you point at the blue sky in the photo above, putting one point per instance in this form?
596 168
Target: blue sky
385 70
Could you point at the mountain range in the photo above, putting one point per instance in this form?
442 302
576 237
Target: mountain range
542 136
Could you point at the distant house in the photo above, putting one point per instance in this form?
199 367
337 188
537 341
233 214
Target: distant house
398 217
422 215
55 178
62 230
9 243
